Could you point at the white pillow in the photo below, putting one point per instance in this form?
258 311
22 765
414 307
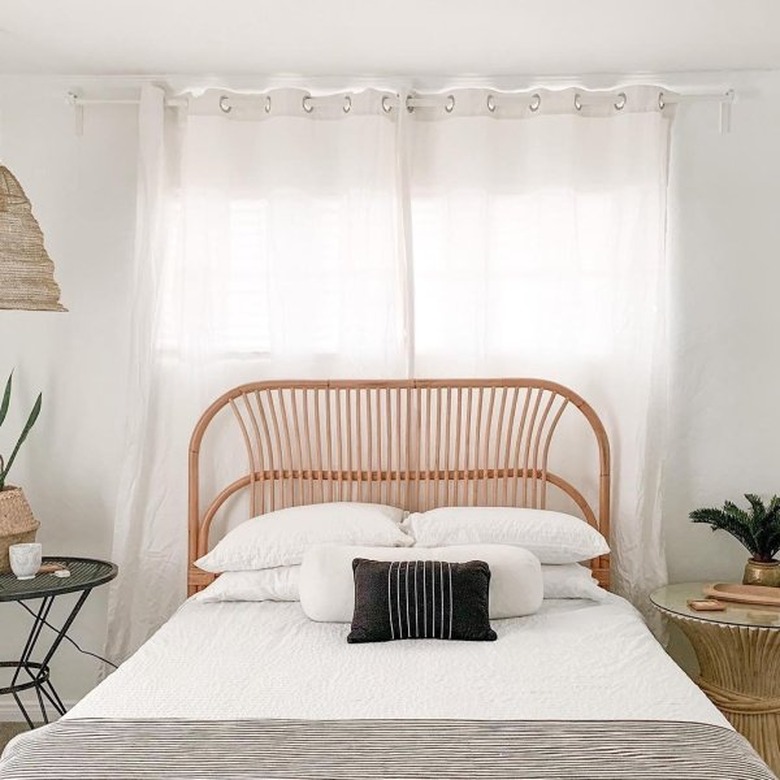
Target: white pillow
553 537
571 581
327 586
277 584
280 538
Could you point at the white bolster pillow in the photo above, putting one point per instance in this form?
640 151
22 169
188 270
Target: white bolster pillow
327 586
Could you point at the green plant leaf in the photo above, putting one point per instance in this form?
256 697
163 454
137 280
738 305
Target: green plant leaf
773 545
768 532
756 502
6 399
726 520
757 529
36 410
759 512
706 515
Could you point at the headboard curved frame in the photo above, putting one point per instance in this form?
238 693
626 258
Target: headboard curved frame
415 444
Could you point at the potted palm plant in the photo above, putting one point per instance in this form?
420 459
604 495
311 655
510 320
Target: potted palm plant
17 524
757 528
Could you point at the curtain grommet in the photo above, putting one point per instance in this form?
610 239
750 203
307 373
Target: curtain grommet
491 104
347 107
536 101
387 107
224 104
449 106
620 103
661 101
307 106
577 101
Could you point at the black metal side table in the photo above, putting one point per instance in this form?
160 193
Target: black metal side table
85 574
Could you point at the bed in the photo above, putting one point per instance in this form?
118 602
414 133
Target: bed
257 690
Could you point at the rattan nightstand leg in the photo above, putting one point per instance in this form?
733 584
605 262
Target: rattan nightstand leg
740 672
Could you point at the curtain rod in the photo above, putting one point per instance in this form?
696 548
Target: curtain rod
728 96
414 98
72 99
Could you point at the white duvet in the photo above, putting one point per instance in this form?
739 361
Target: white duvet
573 660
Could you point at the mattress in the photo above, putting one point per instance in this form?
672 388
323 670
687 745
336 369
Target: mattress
573 660
257 691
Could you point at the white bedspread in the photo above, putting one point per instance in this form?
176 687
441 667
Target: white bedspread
576 660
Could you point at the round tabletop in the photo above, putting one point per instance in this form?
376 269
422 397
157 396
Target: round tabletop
85 573
673 599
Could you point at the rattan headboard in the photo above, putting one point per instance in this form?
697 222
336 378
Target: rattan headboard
414 444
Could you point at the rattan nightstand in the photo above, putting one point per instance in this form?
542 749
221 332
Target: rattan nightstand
739 660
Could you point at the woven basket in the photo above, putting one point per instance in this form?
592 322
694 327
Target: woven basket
17 524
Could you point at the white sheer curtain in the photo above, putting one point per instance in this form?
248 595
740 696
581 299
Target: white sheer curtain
267 248
478 234
539 251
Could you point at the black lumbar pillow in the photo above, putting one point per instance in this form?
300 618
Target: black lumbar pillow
421 600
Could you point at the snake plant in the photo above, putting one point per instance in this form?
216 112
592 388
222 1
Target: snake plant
5 465
757 528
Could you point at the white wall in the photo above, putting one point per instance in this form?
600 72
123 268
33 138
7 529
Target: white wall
83 194
723 235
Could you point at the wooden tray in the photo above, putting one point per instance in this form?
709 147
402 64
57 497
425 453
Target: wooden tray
744 594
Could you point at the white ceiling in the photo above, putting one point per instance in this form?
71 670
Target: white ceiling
382 37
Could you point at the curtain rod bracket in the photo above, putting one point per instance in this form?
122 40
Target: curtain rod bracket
72 99
725 112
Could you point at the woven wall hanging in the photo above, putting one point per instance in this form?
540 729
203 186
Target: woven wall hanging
26 270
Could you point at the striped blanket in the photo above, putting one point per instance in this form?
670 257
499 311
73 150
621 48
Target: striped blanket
379 750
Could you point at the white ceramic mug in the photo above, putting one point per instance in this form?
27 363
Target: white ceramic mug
25 559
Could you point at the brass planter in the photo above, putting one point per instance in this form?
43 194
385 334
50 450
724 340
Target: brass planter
17 524
759 573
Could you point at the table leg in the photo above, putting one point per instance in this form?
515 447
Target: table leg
740 672
39 619
23 710
61 633
38 672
